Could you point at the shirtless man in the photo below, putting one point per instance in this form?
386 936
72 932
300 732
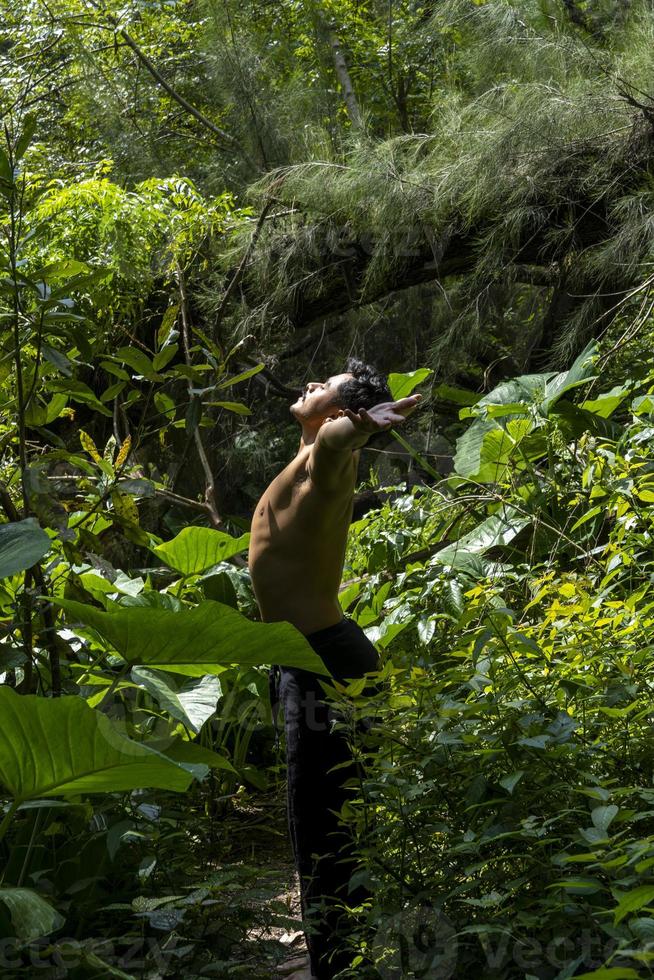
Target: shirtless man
297 550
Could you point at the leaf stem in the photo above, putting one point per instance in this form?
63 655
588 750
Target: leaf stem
4 826
420 460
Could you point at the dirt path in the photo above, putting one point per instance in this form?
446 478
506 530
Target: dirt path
273 938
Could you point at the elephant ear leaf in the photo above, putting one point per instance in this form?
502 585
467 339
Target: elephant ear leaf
402 385
60 746
22 544
578 374
496 531
204 639
195 549
192 702
31 916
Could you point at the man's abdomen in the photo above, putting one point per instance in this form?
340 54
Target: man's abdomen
294 593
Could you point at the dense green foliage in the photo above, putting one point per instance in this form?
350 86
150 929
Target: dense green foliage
510 786
203 205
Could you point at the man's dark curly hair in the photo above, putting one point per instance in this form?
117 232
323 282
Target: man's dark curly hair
367 388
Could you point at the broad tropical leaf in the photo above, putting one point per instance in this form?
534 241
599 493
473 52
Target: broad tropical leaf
527 389
191 702
402 385
202 640
58 746
606 403
486 450
580 372
31 916
195 549
22 544
497 530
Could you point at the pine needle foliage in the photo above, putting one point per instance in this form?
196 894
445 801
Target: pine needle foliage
535 169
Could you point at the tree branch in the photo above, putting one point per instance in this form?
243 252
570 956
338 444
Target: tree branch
238 275
268 379
343 75
210 489
222 135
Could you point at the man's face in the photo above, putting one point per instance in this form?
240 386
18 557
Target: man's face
319 399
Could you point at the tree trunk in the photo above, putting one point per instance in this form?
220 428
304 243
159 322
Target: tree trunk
345 82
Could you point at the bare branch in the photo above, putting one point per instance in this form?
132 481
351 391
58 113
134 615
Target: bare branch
210 489
222 135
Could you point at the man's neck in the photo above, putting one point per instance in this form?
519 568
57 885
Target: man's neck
308 437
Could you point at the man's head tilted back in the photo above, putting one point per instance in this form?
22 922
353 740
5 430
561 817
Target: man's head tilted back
360 386
366 386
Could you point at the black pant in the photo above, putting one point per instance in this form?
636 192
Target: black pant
322 849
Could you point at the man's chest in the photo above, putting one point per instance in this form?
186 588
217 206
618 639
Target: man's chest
281 494
292 500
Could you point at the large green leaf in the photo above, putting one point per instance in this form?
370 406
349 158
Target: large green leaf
195 549
580 372
486 450
59 746
21 545
527 389
402 385
31 916
196 641
191 701
497 530
480 439
573 420
607 402
632 901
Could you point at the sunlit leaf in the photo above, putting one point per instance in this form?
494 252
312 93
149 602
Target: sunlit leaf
59 746
195 549
194 641
192 701
633 901
401 385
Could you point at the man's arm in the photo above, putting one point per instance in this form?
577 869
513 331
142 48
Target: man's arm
337 438
353 429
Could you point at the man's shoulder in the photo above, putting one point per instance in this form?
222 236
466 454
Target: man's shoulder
331 470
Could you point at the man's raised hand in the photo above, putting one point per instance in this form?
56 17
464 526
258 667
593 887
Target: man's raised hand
383 416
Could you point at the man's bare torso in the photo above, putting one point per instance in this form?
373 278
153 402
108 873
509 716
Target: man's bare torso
297 546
